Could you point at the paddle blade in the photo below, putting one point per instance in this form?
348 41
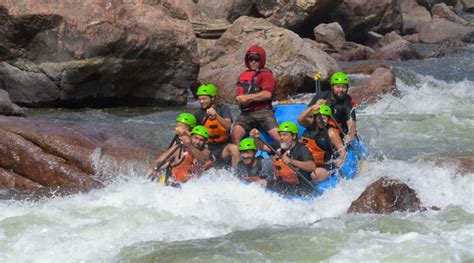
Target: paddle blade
162 179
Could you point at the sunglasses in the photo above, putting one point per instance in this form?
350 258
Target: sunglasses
253 58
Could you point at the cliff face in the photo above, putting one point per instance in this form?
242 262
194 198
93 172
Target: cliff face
96 53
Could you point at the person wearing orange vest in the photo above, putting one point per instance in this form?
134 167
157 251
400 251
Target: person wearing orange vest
185 122
295 158
341 103
189 160
217 118
322 140
255 89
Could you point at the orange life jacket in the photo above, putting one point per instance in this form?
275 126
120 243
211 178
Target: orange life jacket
217 132
317 153
188 167
284 172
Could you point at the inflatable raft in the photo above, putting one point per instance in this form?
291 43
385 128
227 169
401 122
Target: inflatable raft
353 164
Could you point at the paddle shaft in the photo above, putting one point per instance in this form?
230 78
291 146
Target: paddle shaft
302 177
158 166
345 134
317 83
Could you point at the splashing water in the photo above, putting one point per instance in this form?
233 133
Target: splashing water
216 218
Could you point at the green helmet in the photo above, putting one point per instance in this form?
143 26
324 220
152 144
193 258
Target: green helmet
288 126
247 144
187 118
324 110
207 90
201 130
339 78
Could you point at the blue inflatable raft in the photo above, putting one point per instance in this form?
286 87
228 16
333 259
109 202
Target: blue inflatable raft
353 164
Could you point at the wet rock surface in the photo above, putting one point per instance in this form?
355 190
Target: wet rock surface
39 154
386 196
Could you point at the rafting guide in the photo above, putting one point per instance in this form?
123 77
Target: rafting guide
255 89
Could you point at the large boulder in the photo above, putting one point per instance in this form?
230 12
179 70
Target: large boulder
97 53
43 154
397 50
468 5
443 11
7 107
381 82
212 10
295 14
330 34
291 58
357 17
412 15
440 29
386 196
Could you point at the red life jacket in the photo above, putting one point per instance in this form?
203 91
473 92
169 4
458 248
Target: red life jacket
188 167
283 172
247 84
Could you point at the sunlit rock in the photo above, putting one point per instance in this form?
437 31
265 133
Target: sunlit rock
386 196
65 156
7 107
381 82
96 53
291 58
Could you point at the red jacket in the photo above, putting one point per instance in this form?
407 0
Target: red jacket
261 78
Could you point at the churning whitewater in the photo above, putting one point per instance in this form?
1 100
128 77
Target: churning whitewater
217 218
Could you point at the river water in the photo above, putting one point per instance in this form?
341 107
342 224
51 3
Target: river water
218 219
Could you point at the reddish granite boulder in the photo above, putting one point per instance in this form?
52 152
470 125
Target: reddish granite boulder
382 81
386 196
81 53
291 58
39 154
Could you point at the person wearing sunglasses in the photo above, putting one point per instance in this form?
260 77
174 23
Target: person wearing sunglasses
255 89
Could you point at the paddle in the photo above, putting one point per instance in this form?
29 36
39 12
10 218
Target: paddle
359 158
160 164
317 82
302 177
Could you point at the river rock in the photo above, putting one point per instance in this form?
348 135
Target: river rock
293 14
440 29
97 53
397 50
291 58
468 5
7 107
65 156
330 34
386 196
412 15
357 17
381 82
443 11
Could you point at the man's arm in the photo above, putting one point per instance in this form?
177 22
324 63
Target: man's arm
260 96
225 119
254 133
